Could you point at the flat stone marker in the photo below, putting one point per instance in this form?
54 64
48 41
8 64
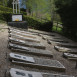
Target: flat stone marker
62 49
21 58
26 43
68 45
34 51
23 34
17 30
23 73
59 40
40 63
70 56
24 38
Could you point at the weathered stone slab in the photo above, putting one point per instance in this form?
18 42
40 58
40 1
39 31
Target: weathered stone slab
23 73
62 49
21 44
21 31
21 58
52 42
59 40
70 56
68 45
34 51
41 63
25 34
24 38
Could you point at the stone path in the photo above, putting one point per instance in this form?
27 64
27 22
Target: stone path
6 64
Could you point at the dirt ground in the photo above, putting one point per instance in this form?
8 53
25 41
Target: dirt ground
5 63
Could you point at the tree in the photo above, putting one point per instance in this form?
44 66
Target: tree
67 9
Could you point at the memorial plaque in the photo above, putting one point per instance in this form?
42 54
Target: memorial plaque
42 64
24 38
17 17
26 43
22 73
21 58
62 49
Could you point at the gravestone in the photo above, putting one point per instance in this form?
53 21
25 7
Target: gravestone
70 56
17 18
24 38
21 43
34 51
40 63
26 34
21 58
23 73
62 49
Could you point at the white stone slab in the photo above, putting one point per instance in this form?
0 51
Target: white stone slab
62 49
27 43
23 34
18 46
24 38
21 57
22 73
69 55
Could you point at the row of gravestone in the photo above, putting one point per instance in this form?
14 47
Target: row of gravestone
62 45
27 42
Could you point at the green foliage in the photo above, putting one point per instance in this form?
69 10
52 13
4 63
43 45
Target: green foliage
67 10
35 24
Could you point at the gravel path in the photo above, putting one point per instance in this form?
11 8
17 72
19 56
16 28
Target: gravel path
5 64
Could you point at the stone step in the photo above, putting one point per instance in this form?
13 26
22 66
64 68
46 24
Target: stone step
23 45
23 73
34 51
62 49
24 38
39 63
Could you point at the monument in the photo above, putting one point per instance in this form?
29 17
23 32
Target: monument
17 17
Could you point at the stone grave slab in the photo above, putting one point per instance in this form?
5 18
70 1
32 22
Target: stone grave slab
62 49
34 51
52 42
23 73
59 40
21 58
68 45
41 64
70 56
26 43
24 38
21 31
24 34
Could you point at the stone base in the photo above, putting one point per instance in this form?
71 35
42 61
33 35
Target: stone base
20 24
